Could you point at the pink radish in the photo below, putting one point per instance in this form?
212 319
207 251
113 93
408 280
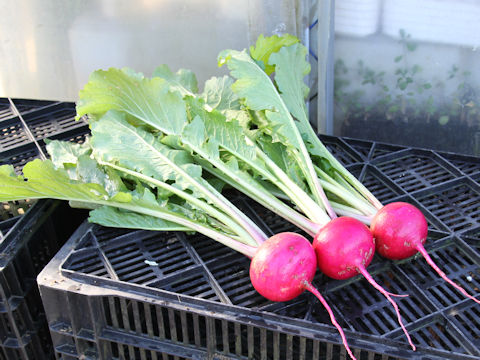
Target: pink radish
283 267
344 248
400 231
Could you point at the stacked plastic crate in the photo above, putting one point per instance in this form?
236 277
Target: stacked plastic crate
119 294
31 232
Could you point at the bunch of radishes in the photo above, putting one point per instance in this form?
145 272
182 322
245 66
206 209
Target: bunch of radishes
160 152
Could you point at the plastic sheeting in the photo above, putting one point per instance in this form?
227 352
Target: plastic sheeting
49 47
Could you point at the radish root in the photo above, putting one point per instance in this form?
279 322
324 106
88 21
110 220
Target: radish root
396 295
369 278
309 287
430 262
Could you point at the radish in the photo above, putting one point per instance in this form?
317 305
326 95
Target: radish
344 248
283 267
400 231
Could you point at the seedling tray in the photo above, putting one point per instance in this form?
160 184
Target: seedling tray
31 232
122 294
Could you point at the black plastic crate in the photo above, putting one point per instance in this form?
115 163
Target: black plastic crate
19 156
26 105
168 295
30 237
455 203
22 105
5 109
120 294
342 151
105 302
414 169
469 165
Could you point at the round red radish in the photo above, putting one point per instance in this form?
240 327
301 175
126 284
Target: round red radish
281 266
398 229
342 246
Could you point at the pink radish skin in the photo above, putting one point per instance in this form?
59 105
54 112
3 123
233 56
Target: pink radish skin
400 231
399 228
344 248
283 267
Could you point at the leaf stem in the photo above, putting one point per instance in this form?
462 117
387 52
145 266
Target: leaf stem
278 106
358 202
210 193
236 245
312 179
222 217
320 147
205 188
343 210
245 249
304 160
312 209
265 198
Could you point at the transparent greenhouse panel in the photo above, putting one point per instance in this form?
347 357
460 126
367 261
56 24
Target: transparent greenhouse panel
407 72
49 47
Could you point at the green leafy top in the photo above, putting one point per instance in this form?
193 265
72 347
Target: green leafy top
183 80
147 99
259 93
290 66
156 143
199 128
265 46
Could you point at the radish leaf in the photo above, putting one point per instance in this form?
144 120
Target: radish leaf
290 71
218 94
265 46
115 217
115 140
258 91
183 80
148 100
40 179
